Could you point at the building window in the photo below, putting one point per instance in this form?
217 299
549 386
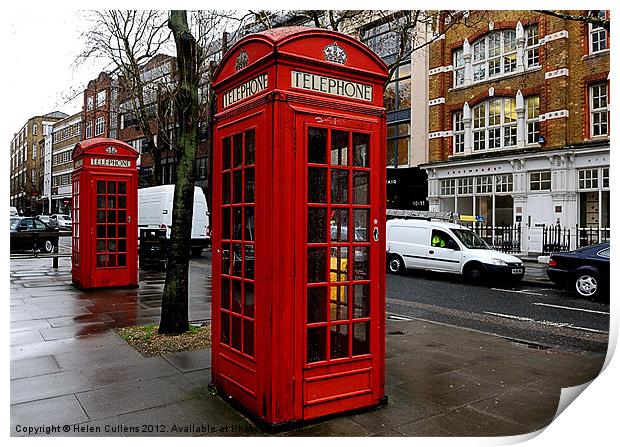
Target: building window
128 120
495 54
532 44
89 129
540 181
34 129
99 125
201 168
588 178
599 110
484 184
466 185
458 62
447 187
503 183
605 177
100 98
532 106
398 144
89 103
597 34
140 145
495 124
34 151
397 94
458 127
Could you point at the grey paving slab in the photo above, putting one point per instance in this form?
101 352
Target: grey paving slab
117 355
102 375
336 427
76 330
25 337
26 325
49 385
70 321
128 397
20 352
190 360
47 412
35 366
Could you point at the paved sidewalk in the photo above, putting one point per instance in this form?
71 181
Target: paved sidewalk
68 368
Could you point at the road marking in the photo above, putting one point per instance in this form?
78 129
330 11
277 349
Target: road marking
518 291
572 308
398 317
546 323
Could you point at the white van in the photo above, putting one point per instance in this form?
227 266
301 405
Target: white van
155 212
446 247
13 211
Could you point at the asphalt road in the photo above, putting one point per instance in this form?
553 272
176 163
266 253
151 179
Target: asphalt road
540 317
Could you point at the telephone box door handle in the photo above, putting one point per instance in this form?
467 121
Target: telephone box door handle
375 234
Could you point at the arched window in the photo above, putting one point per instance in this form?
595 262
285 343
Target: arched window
495 124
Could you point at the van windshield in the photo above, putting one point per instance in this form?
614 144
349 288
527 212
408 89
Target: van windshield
471 239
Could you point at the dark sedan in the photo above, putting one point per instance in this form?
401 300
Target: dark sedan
31 234
586 271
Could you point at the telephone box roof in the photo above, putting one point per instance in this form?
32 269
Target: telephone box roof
99 145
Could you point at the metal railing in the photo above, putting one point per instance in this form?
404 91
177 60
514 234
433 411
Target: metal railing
556 238
506 239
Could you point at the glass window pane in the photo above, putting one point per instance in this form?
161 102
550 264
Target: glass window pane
237 225
226 153
403 151
317 260
100 245
339 341
111 187
248 302
249 186
225 328
122 245
122 260
361 338
100 216
102 260
100 187
122 216
225 294
248 337
361 259
101 230
237 187
360 218
317 225
339 225
338 303
360 187
317 305
100 201
237 150
111 260
111 230
249 223
112 245
316 344
317 145
249 147
111 201
339 148
236 260
340 186
122 201
249 262
122 187
122 230
338 267
236 296
361 300
317 185
235 333
225 223
111 217
226 259
226 188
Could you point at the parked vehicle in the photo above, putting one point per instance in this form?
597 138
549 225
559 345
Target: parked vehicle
446 247
155 212
585 271
50 221
64 221
29 233
13 211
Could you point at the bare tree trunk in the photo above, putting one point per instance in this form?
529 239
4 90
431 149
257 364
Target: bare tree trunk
174 312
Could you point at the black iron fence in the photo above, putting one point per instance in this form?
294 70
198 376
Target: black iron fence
506 239
558 239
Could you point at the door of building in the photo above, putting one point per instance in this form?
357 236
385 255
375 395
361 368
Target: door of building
340 248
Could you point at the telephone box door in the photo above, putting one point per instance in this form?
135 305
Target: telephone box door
339 191
114 220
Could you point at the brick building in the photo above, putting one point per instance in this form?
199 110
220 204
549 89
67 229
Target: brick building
519 122
27 163
66 133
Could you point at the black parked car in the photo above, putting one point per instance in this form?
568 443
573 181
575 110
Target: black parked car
29 233
586 270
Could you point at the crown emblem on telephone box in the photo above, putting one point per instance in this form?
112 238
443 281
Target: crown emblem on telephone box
242 60
335 53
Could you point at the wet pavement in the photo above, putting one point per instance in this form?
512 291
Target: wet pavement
71 375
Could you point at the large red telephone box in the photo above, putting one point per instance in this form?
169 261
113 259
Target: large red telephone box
298 229
105 214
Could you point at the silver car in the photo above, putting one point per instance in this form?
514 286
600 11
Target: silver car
64 221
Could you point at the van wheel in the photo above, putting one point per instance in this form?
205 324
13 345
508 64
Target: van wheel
48 246
396 264
196 251
475 273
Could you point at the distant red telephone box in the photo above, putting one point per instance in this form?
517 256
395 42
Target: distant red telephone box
299 221
105 214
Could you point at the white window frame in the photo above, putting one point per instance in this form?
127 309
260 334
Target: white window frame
605 177
597 35
465 186
89 103
447 187
458 62
89 129
99 125
494 55
588 179
491 131
458 126
599 109
484 185
532 119
539 182
34 151
34 128
503 183
101 96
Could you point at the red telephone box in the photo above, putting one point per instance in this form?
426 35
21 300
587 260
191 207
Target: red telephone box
298 229
105 214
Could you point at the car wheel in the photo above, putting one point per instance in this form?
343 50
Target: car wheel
48 246
475 273
587 285
396 264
